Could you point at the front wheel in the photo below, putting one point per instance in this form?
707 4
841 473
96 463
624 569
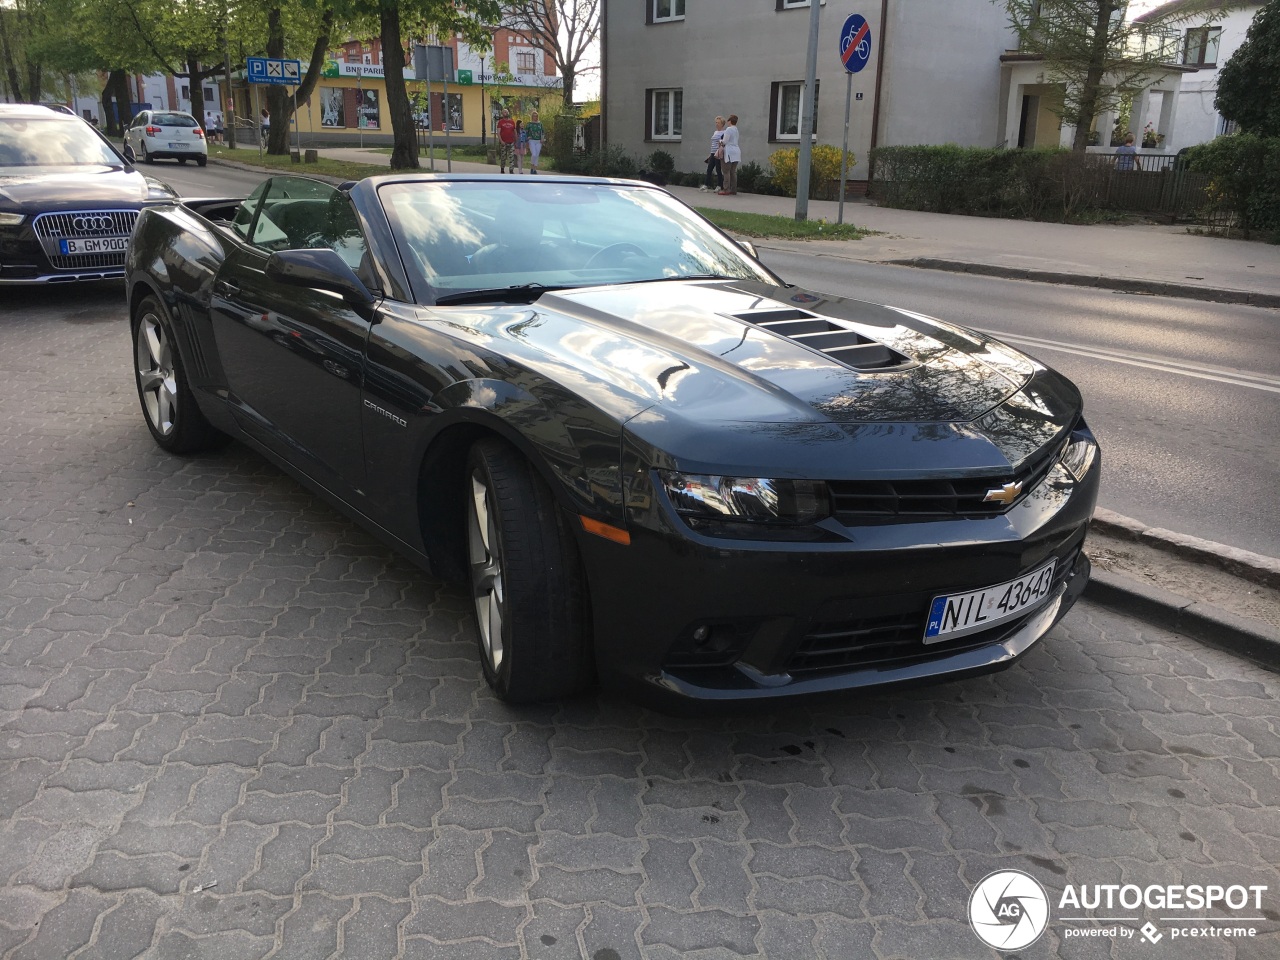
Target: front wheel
168 404
526 580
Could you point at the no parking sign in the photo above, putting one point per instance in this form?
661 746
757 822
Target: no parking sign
855 43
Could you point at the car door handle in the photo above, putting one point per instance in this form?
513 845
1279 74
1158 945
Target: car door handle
227 287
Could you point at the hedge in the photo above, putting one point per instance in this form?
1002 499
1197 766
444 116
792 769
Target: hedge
1046 184
1245 172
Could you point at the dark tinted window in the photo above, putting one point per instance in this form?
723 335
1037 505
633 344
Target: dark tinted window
56 142
174 120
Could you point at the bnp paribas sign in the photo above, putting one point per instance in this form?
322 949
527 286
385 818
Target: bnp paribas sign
333 68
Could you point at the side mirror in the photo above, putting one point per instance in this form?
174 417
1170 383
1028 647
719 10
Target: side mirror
750 247
322 269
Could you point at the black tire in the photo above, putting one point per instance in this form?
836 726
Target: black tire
202 161
129 154
168 405
146 155
525 571
182 160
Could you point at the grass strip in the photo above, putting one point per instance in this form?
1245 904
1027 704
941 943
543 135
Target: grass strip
766 225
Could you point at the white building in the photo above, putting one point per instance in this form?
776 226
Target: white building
937 71
1206 45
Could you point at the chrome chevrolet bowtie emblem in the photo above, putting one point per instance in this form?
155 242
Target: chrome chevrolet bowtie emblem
1006 494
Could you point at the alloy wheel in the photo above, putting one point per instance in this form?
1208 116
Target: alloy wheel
485 555
157 382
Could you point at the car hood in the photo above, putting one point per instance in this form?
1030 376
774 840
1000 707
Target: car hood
66 188
724 372
756 352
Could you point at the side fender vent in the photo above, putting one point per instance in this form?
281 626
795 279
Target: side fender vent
839 342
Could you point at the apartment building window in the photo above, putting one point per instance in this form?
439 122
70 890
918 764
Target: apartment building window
665 109
660 10
1201 46
790 4
526 62
784 109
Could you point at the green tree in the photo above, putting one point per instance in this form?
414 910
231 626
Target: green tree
1095 53
280 100
416 18
566 29
23 26
1249 83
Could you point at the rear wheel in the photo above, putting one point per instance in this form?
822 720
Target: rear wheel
201 161
183 161
526 579
170 409
146 154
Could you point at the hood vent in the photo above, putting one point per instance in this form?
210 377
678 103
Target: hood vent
840 343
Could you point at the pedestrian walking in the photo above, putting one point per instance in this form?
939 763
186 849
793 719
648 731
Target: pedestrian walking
534 131
506 131
730 154
522 144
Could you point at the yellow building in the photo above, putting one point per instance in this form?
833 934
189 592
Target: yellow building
349 104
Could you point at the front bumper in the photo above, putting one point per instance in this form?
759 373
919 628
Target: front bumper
786 620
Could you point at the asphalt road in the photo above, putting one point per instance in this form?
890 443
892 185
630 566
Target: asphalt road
1183 394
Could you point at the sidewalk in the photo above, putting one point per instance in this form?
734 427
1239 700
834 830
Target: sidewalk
1162 260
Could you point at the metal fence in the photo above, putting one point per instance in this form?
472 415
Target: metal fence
1156 184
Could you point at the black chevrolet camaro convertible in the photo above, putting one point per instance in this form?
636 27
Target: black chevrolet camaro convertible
653 461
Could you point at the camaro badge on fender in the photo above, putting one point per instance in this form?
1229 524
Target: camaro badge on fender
1006 494
400 421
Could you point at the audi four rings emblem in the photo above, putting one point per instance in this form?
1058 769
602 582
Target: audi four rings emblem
82 224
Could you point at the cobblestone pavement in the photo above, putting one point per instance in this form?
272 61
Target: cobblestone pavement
234 726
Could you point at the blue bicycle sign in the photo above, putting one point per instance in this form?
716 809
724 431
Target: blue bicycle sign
855 43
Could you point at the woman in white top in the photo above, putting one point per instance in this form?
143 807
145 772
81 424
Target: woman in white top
731 154
713 159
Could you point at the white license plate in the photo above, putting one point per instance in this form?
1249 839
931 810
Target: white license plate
94 245
957 614
177 146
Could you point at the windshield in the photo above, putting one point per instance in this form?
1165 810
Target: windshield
461 236
56 142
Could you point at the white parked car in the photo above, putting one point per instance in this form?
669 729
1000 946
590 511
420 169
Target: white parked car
156 134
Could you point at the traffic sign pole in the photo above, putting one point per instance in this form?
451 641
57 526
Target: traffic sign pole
844 150
855 53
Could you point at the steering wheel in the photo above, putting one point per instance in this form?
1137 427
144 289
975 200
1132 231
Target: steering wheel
613 250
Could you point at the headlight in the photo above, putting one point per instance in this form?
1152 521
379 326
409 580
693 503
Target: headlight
746 499
11 219
1079 455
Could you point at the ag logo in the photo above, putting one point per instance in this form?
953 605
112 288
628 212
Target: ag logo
1008 910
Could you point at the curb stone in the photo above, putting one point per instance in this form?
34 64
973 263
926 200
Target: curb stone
1212 625
1158 288
1254 567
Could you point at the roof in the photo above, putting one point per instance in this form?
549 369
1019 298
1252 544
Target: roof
33 111
1186 9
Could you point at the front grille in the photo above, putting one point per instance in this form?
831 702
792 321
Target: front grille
895 639
83 225
861 501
